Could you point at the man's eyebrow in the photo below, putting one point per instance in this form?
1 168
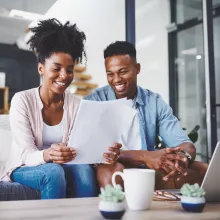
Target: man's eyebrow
123 68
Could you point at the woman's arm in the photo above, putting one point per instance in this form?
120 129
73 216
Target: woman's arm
22 133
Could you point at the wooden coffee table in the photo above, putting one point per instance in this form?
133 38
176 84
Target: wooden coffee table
87 208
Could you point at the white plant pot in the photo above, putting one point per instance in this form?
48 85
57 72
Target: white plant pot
112 210
193 204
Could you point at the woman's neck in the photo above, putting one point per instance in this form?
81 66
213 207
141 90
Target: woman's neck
49 98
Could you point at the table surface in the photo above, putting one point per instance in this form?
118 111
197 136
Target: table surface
87 208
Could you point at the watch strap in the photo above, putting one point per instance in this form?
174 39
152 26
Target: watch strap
188 156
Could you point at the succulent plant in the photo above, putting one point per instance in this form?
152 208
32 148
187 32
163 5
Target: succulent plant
112 194
192 190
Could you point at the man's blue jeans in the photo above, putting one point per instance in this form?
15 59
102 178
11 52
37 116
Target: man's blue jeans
58 181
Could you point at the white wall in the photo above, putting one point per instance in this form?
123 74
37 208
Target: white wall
103 21
152 18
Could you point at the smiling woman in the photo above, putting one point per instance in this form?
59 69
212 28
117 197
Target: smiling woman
42 118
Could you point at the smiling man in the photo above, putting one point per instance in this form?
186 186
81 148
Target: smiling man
155 116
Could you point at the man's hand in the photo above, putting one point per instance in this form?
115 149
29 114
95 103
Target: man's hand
59 153
180 160
168 160
157 160
113 155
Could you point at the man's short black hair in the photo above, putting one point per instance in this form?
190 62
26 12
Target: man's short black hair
50 36
120 48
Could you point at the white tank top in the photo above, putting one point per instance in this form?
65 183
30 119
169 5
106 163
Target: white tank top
52 134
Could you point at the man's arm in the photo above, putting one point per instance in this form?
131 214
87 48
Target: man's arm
162 160
168 159
170 130
138 157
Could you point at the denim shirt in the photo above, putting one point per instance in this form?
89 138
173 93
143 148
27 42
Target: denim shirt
155 116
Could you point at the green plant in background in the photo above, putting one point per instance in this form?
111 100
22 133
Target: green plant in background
112 194
193 136
192 190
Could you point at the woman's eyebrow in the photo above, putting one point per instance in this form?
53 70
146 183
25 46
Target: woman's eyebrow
57 64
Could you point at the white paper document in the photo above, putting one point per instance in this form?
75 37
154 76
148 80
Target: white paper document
99 125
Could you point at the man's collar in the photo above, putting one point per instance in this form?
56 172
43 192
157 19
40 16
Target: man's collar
111 95
139 99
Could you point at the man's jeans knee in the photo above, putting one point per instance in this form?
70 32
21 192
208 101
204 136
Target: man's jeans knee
81 180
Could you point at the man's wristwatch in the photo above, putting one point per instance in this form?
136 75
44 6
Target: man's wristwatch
188 156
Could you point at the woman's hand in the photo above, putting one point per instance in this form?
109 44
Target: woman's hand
113 155
59 153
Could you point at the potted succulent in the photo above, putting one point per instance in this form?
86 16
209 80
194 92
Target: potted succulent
112 204
192 199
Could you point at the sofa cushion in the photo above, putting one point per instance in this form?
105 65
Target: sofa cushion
4 122
6 141
5 147
5 144
16 191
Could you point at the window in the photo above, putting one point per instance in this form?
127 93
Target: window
187 67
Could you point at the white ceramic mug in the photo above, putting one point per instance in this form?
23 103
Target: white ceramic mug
139 187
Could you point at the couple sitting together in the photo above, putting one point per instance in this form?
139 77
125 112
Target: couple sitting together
42 118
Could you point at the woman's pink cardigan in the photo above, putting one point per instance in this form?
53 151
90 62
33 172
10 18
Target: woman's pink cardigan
27 128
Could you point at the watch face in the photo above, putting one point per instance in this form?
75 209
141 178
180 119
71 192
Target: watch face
188 156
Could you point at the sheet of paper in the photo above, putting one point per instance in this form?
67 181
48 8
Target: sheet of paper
99 125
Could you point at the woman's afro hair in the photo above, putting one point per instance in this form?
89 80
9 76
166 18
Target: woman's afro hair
50 36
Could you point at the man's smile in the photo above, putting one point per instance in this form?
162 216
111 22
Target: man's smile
120 88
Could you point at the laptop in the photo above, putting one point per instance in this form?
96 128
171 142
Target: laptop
211 180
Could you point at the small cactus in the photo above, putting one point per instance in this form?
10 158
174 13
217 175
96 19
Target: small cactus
192 190
112 194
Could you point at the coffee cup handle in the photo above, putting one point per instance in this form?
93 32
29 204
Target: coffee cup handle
118 173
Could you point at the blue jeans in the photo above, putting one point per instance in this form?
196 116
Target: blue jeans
58 181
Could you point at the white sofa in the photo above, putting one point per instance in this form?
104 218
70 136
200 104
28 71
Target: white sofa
11 190
6 140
